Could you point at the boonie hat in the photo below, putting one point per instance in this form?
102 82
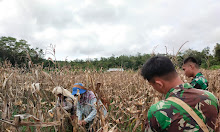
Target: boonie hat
79 86
60 90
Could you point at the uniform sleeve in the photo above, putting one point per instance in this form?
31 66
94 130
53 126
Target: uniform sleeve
152 124
78 112
92 115
200 83
193 83
197 86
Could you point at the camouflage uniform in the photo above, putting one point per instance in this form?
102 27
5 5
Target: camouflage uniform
169 116
199 82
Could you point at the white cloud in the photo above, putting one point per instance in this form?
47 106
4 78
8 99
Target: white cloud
100 28
48 33
116 3
160 32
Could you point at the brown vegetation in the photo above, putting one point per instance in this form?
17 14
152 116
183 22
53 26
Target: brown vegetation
126 95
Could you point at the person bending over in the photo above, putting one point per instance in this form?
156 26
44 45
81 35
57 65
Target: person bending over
86 106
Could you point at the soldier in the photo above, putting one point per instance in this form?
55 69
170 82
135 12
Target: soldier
191 69
171 115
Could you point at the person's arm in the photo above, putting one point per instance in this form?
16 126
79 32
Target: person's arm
69 105
193 83
93 113
154 120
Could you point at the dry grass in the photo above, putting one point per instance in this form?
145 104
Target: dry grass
126 94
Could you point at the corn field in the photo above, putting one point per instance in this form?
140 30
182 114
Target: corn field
26 96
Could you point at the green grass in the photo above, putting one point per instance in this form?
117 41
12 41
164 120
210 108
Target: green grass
215 67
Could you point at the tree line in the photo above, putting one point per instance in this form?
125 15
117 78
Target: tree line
19 54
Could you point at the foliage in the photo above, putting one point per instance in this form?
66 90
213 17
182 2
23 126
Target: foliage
214 67
19 53
126 62
217 52
204 58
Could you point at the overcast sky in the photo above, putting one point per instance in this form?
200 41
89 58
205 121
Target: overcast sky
100 28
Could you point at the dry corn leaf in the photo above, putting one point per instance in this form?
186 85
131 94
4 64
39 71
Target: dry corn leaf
51 114
105 128
8 130
36 73
10 89
119 121
30 103
5 109
133 111
5 81
18 102
113 129
26 116
136 125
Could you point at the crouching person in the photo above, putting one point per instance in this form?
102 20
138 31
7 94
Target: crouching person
66 101
86 105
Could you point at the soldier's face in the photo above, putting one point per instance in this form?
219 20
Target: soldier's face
187 68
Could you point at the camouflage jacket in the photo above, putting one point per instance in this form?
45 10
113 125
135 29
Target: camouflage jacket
199 82
169 116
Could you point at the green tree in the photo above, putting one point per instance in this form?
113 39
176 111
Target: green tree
18 52
217 52
194 53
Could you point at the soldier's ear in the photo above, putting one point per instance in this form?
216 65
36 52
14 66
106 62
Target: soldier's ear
159 83
192 66
159 86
